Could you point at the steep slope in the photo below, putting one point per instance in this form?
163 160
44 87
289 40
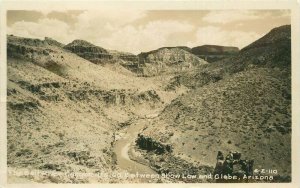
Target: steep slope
240 104
274 37
168 60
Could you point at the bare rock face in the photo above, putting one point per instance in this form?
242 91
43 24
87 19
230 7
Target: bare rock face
168 60
89 51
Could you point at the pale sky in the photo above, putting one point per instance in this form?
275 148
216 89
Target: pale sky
138 31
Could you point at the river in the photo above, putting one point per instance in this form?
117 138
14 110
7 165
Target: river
122 147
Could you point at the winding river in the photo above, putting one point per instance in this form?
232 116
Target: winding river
123 145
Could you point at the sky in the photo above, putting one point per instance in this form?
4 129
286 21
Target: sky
138 31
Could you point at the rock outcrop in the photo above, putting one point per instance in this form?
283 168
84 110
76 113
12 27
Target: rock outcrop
233 165
27 48
149 144
168 60
89 51
169 56
99 55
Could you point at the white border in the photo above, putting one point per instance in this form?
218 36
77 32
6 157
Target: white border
162 5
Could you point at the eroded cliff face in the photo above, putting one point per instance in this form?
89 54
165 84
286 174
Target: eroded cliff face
89 51
169 57
168 60
26 48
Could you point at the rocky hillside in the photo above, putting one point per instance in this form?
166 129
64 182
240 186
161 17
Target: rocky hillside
212 53
64 111
166 60
274 37
240 104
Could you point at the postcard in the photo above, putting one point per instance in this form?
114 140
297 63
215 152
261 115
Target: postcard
171 93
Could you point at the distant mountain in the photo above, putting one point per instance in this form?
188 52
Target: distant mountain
214 50
213 53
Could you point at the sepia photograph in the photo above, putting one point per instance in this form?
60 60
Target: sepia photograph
143 95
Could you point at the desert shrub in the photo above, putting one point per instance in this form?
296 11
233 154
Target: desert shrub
23 152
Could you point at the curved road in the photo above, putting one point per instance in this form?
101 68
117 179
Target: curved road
122 147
